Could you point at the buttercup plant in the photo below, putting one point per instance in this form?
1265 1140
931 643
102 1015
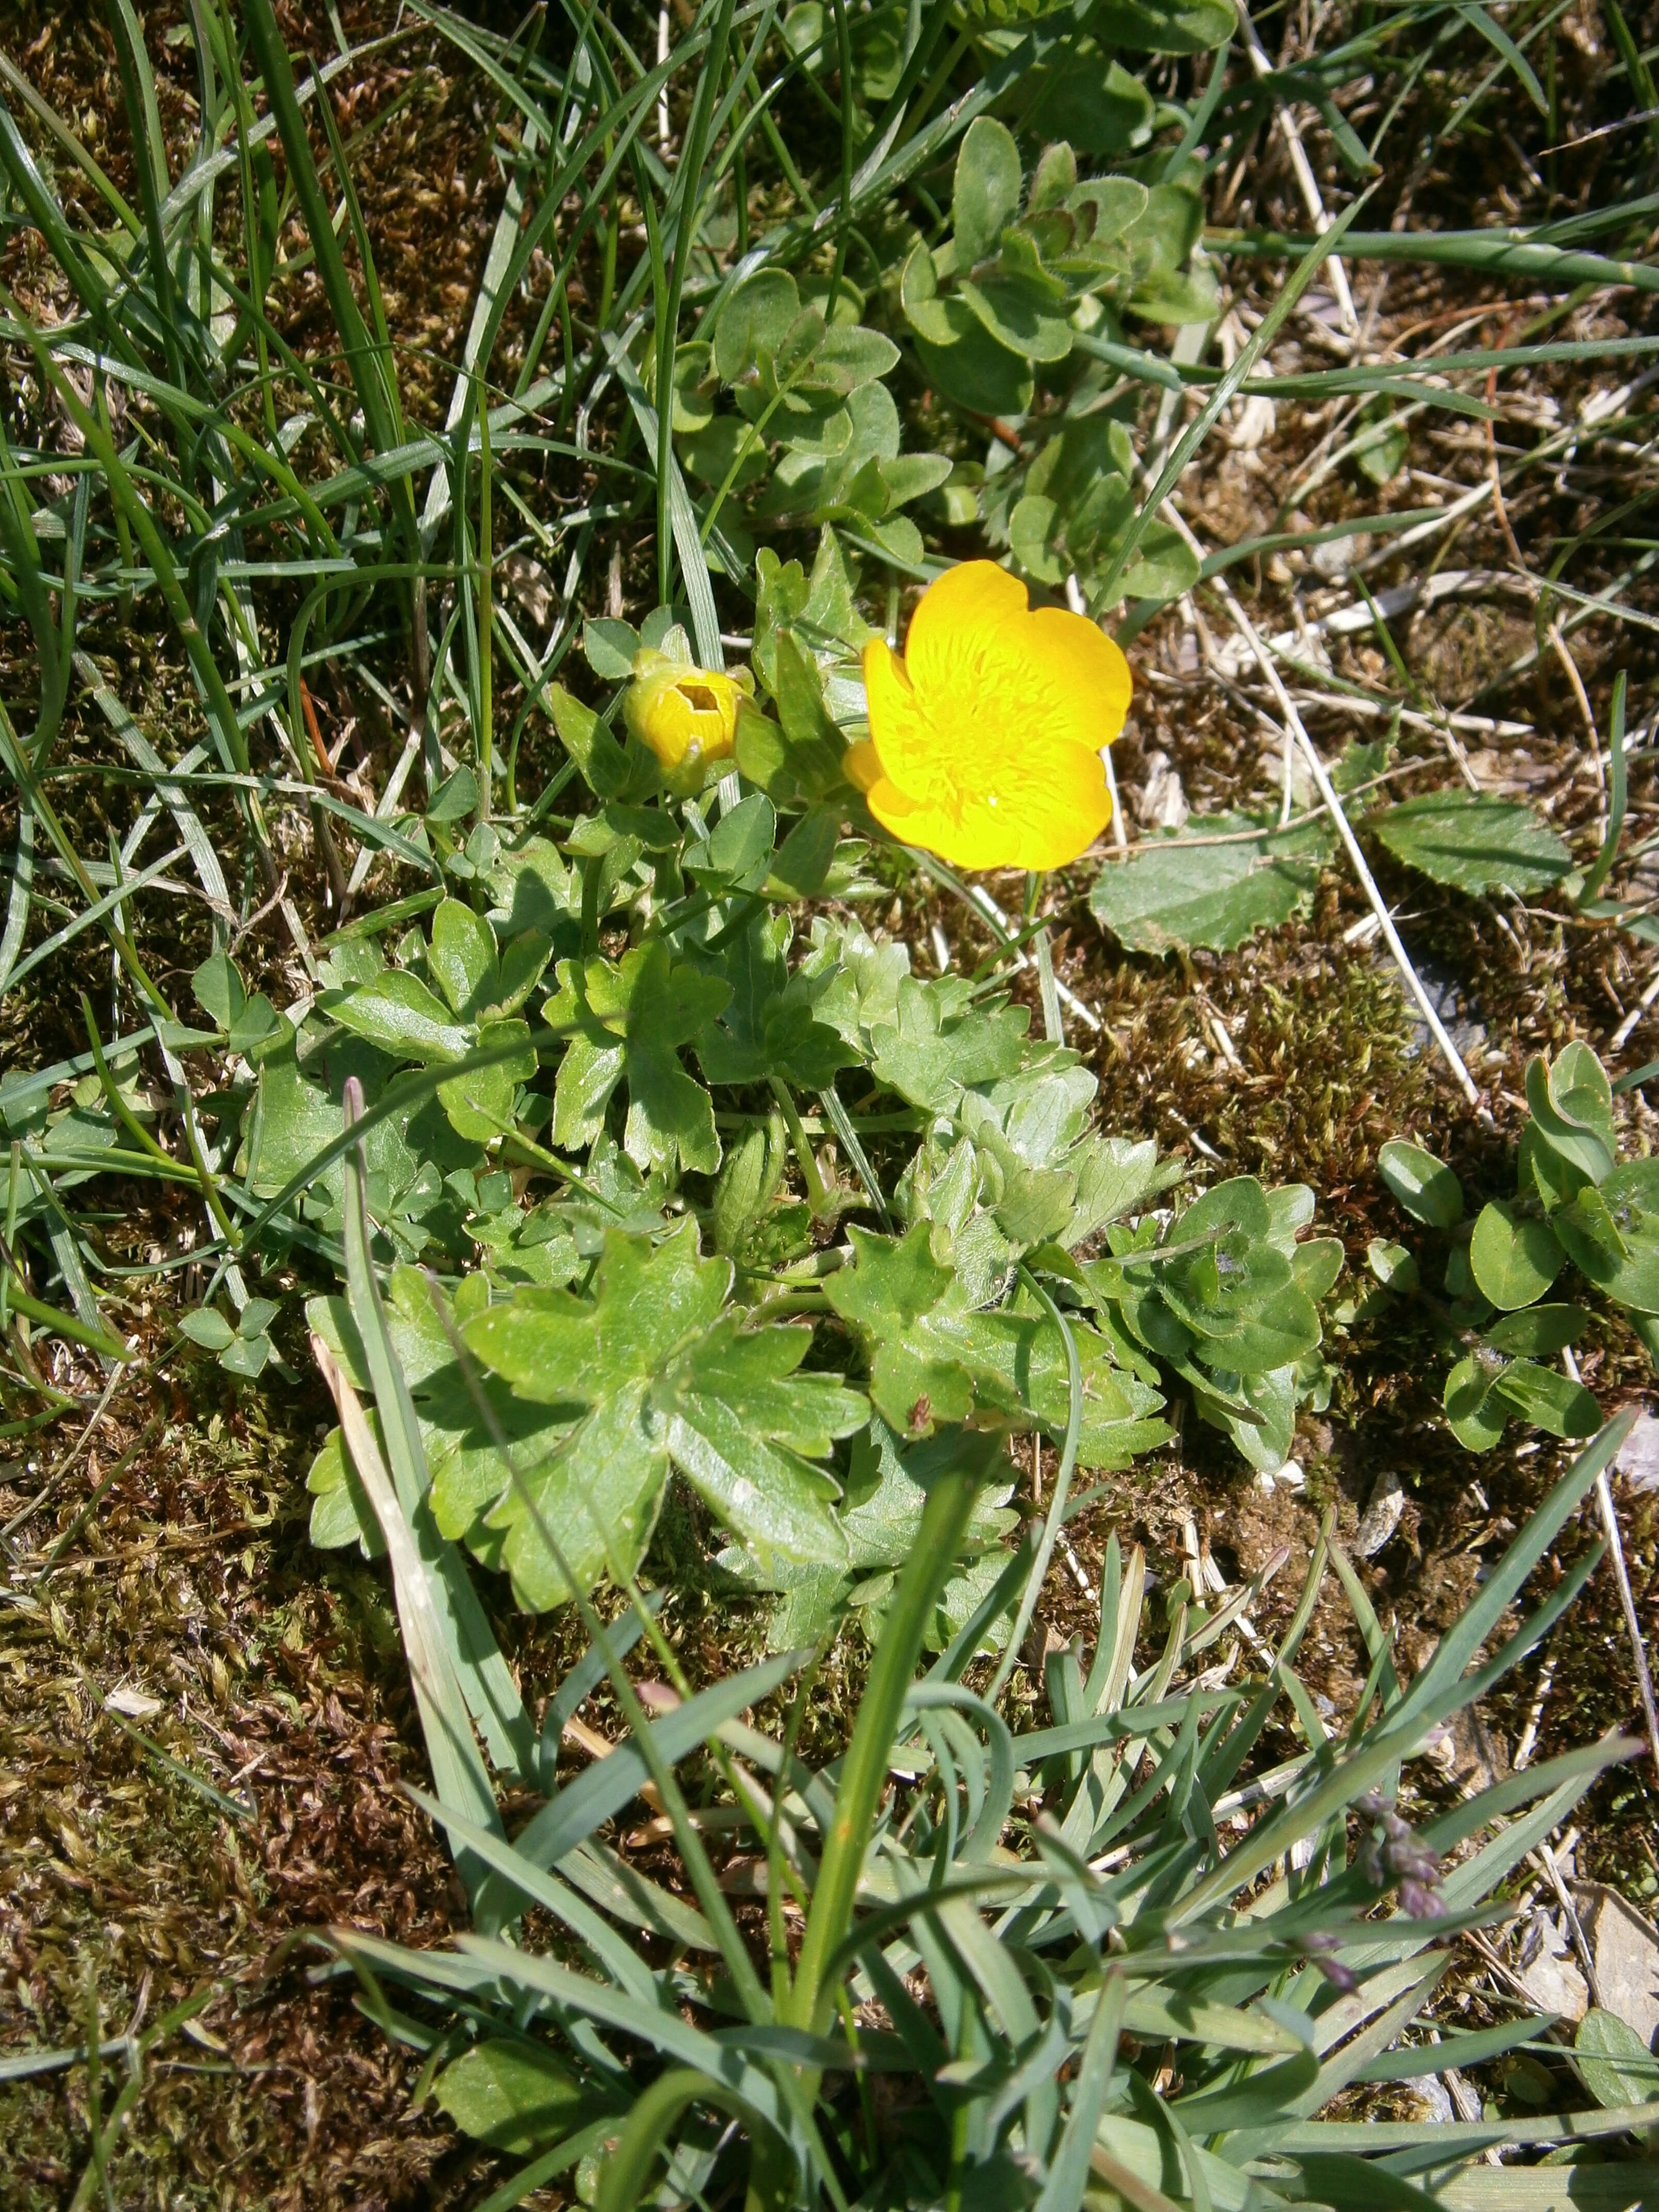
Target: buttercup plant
681 1230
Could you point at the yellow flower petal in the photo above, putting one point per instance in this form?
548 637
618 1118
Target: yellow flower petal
988 732
964 611
861 767
1092 669
1048 828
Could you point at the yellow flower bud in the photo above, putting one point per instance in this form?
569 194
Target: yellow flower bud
686 715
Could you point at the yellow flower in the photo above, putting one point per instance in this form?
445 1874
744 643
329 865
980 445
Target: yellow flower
686 715
985 738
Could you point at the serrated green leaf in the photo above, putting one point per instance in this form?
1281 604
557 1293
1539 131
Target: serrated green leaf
935 1359
594 1360
1205 892
928 1040
915 1320
1475 842
742 1424
479 1104
559 1349
514 2096
881 1513
650 1367
771 1027
396 1012
958 354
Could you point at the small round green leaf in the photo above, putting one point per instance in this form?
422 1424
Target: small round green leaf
1476 1415
1616 2066
1538 1331
1515 1259
1423 1186
209 1328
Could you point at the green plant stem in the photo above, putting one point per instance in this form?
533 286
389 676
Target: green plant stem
486 618
1056 1517
1494 252
689 181
1620 779
1054 1027
818 1198
944 1521
811 2002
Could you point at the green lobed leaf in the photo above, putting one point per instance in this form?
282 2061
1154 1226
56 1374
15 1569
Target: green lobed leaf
935 1358
462 960
652 1366
395 1012
630 1017
742 1424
